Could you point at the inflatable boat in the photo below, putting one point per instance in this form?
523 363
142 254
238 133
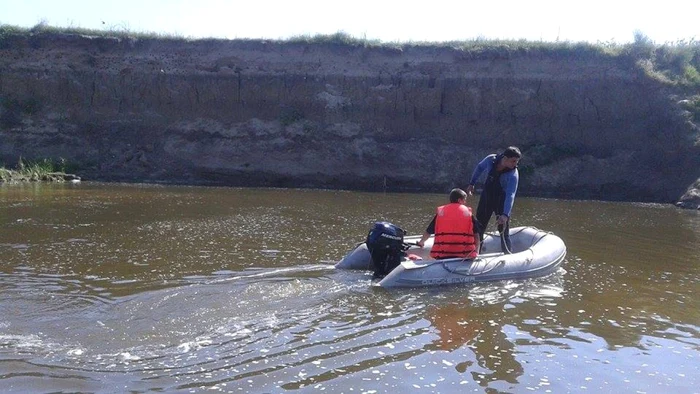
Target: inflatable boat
535 253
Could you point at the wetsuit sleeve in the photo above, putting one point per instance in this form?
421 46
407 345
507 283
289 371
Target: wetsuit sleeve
431 226
510 190
480 168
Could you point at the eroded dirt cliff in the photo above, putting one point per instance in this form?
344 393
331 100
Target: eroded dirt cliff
333 115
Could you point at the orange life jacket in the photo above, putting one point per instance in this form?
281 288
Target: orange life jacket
454 232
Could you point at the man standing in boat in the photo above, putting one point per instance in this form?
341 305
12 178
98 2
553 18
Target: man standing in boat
455 229
499 192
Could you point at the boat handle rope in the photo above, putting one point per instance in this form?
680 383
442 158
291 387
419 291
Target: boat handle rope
498 263
546 233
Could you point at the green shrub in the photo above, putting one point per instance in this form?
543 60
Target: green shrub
691 75
6 31
642 47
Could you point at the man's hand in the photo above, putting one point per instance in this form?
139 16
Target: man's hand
470 190
501 219
421 241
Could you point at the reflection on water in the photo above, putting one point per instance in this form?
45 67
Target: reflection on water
149 288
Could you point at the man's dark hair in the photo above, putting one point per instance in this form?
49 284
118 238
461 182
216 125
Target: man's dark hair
456 194
512 151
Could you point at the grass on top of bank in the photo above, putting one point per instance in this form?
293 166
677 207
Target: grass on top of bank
676 63
45 28
673 63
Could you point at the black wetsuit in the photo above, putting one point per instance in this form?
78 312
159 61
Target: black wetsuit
492 199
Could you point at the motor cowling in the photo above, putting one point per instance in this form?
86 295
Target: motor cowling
386 246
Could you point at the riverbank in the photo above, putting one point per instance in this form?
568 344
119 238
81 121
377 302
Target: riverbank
40 171
606 122
10 176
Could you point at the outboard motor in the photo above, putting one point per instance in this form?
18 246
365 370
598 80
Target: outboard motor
385 245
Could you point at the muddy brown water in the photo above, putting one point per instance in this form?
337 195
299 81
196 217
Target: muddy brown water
141 288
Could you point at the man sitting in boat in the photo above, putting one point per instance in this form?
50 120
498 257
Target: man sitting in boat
454 227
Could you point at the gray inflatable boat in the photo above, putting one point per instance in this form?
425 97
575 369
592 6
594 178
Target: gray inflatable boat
536 253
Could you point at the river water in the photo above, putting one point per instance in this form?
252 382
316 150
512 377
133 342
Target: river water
132 288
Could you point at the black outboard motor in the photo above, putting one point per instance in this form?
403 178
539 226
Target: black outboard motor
385 245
